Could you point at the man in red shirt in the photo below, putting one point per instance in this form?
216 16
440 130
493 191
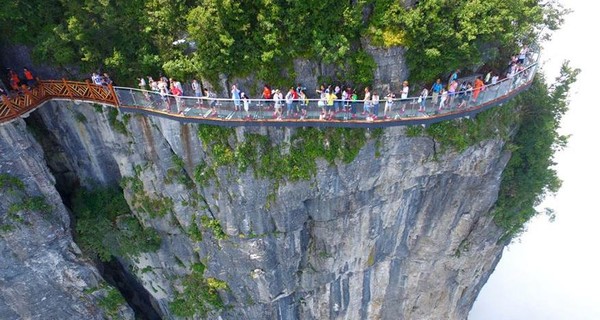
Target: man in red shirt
266 94
477 87
29 78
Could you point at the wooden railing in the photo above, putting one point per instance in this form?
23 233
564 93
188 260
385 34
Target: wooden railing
27 100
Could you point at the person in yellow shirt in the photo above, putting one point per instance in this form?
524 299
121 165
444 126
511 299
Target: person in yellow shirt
330 101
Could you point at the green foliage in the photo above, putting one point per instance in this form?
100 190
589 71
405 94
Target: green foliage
112 302
22 205
80 117
215 226
269 161
18 18
194 231
460 134
203 173
414 131
216 140
200 295
36 204
106 227
98 108
235 38
158 206
529 175
178 173
9 182
443 35
307 144
5 228
210 135
361 68
115 123
154 207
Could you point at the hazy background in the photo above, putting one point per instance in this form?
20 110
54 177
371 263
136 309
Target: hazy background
553 270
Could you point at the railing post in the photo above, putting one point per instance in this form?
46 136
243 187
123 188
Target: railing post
89 86
113 94
69 92
132 97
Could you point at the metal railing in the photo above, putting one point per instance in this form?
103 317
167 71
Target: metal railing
262 112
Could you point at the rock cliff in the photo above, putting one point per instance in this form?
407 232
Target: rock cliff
42 273
402 231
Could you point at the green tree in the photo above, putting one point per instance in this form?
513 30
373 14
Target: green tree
529 175
106 227
442 35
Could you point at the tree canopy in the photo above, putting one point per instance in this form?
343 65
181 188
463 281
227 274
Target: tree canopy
134 38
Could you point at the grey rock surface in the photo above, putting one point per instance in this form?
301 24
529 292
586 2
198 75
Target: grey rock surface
42 273
391 68
403 235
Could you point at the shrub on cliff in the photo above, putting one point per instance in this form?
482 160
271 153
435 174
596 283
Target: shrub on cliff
529 175
105 226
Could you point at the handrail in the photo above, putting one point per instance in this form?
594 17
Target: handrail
261 112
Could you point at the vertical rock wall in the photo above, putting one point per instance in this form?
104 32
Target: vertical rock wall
402 232
42 274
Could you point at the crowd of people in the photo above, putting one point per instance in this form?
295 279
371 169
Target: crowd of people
335 98
17 84
101 79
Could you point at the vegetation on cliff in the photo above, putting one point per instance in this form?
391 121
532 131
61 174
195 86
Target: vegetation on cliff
529 175
200 295
105 226
136 38
20 205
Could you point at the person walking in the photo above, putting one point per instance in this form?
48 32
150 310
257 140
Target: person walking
477 87
423 99
389 103
436 88
196 88
367 102
235 94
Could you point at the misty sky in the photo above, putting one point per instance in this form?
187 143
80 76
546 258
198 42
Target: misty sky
553 270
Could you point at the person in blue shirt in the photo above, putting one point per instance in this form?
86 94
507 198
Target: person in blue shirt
453 76
435 91
235 94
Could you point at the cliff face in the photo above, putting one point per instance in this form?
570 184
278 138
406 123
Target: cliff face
401 232
42 274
